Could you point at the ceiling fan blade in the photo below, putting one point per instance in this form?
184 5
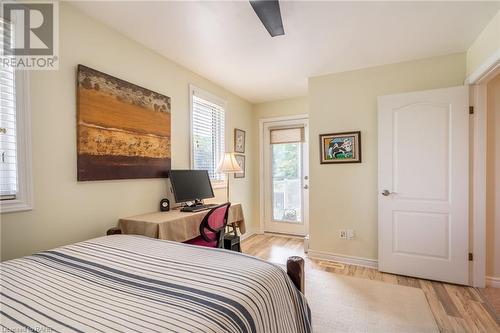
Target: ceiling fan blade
269 13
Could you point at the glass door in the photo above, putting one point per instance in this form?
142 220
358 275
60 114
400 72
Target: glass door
286 182
285 177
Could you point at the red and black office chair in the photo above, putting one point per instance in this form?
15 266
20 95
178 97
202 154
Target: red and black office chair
212 227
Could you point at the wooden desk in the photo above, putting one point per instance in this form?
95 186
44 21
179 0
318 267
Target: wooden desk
175 225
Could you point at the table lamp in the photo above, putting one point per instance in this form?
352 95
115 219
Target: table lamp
227 165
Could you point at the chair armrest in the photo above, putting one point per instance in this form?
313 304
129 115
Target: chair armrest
295 270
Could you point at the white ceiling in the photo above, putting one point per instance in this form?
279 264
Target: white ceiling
225 42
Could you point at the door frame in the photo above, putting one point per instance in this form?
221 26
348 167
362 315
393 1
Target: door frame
262 121
477 82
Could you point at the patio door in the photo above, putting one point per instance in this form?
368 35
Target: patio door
286 178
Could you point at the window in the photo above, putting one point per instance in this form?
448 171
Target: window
15 152
8 160
207 132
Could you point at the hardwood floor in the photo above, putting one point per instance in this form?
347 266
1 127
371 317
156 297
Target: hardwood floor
492 297
455 308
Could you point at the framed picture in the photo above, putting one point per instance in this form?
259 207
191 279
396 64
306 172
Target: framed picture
123 130
340 147
239 141
241 162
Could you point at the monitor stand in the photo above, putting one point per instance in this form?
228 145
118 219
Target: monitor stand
197 202
196 206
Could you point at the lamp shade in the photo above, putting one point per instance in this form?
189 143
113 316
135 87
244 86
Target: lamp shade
228 164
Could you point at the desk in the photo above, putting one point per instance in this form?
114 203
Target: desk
175 225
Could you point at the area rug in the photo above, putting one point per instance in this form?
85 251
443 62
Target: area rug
349 304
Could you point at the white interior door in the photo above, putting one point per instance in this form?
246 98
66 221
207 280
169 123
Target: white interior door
423 184
286 176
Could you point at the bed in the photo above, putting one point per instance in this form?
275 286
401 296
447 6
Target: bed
125 283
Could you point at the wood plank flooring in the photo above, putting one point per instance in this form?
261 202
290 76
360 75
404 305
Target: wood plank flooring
492 297
456 308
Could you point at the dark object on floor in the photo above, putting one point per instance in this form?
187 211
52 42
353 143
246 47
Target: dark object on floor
232 242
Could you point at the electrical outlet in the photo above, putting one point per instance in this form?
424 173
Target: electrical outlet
350 234
342 234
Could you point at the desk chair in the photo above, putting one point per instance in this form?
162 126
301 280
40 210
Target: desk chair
212 227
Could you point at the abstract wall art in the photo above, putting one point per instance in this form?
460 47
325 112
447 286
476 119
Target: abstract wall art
123 129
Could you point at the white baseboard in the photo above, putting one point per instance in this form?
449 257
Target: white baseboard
351 260
279 234
493 282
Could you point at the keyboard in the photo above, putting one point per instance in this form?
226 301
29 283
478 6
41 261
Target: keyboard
197 208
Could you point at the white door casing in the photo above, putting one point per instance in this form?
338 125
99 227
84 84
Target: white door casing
270 225
423 169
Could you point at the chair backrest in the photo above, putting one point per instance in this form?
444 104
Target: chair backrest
213 224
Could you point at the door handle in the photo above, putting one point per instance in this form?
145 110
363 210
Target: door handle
306 187
387 193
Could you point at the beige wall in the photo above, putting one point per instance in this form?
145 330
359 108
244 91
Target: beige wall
345 196
280 108
67 211
485 45
493 180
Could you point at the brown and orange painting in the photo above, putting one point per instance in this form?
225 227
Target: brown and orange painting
123 129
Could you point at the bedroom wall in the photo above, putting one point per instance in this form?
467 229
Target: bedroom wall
67 211
284 107
493 180
485 45
345 196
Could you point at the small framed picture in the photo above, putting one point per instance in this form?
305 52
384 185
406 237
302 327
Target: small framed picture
340 147
241 162
239 141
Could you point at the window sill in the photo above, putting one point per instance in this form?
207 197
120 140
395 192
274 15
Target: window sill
13 206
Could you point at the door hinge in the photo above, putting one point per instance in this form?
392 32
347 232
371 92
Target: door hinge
471 257
471 110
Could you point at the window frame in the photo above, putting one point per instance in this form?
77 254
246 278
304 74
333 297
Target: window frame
24 197
215 100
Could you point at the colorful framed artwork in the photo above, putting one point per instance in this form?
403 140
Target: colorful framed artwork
241 162
239 141
340 147
123 130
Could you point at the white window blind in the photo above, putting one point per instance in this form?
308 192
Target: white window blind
208 135
287 135
8 131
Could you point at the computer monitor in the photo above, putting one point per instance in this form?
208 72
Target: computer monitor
191 185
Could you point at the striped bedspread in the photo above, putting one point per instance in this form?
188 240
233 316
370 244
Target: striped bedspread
126 283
